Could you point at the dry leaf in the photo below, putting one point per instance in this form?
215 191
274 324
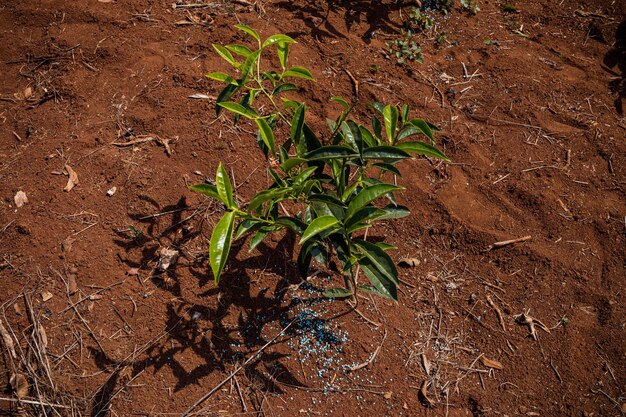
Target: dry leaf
18 309
71 283
72 180
94 297
43 336
19 383
90 306
426 364
27 93
66 245
46 295
199 96
133 272
168 256
8 340
490 363
423 395
388 395
409 262
20 199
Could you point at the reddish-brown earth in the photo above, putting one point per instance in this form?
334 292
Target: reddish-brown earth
535 134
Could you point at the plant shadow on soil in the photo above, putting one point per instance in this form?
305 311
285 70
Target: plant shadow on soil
617 57
201 328
355 11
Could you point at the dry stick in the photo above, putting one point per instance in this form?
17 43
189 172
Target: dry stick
371 359
507 242
498 311
355 83
556 371
19 400
243 403
541 167
151 216
89 296
235 372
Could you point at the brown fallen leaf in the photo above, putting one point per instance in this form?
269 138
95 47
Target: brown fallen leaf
388 395
18 309
133 272
8 340
167 257
43 336
19 384
490 363
423 395
20 199
409 262
66 245
72 180
72 286
426 364
46 295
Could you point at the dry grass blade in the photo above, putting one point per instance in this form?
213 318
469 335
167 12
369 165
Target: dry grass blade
8 340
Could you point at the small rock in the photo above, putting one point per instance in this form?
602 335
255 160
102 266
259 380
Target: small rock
111 191
20 199
46 295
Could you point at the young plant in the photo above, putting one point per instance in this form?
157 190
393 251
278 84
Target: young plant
405 50
327 190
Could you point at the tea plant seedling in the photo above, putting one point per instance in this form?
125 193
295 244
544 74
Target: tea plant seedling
327 190
405 50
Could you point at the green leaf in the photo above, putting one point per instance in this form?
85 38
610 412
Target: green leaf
266 195
283 53
224 187
352 134
239 50
341 101
405 112
248 64
368 139
379 107
386 246
297 124
291 163
317 226
266 134
384 167
283 88
239 109
247 29
386 153
221 239
390 115
224 96
208 190
381 285
424 127
337 293
331 152
225 53
379 258
248 225
367 195
421 148
327 199
299 72
278 38
293 223
258 238
220 76
362 215
377 128
393 211
304 259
